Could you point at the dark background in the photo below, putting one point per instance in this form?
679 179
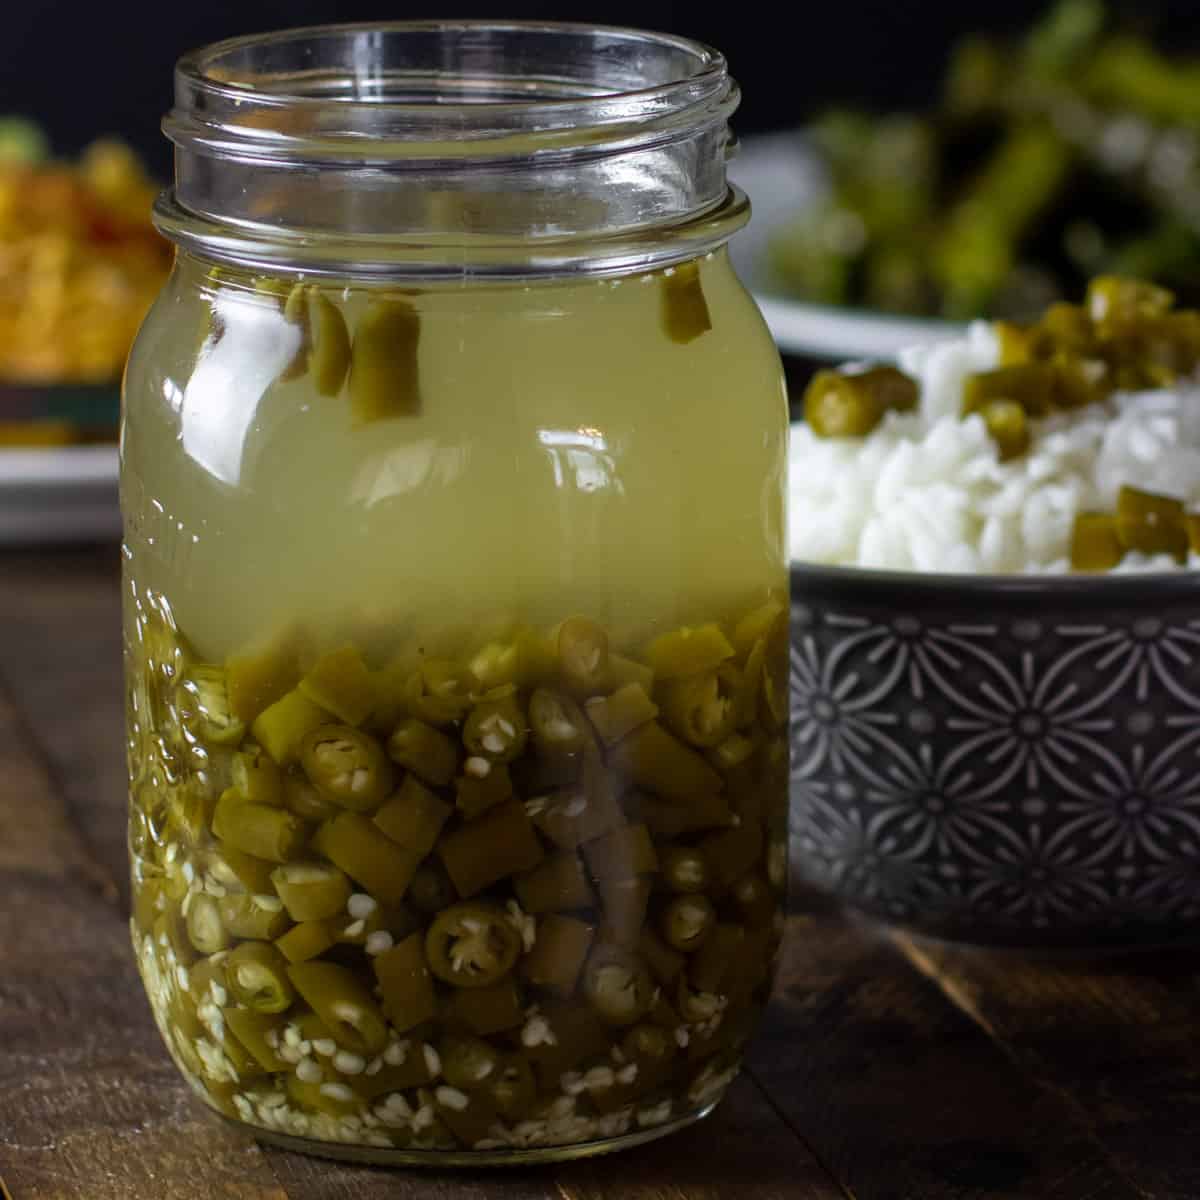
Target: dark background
89 68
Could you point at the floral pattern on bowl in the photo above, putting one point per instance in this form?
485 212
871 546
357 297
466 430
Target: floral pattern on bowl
1012 762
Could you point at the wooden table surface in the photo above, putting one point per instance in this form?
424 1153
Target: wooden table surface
887 1068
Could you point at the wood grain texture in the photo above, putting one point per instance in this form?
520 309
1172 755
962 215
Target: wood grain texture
60 652
902 1095
1117 1041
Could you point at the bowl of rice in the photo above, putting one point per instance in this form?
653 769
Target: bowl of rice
995 676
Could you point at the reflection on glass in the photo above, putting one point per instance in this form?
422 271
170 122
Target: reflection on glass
221 399
582 457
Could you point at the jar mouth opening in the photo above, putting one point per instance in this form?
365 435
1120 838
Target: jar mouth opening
489 145
443 80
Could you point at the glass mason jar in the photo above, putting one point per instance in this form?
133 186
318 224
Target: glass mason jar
455 594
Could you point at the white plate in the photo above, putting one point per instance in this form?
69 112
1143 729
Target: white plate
782 175
63 494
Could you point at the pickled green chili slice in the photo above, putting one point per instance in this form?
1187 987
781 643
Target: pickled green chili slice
648 1044
538 775
481 787
497 664
311 891
440 691
1078 383
684 869
1007 426
486 1010
282 726
687 921
754 899
205 929
500 843
405 983
252 1029
1114 303
737 749
248 915
349 929
468 1062
624 903
258 829
413 817
310 939
557 722
617 985
839 404
303 799
576 1033
688 651
258 977
255 678
685 314
184 1017
712 964
559 953
351 842
557 885
329 356
245 1064
756 624
472 945
582 648
340 683
655 760
431 889
665 963
1031 386
620 713
1063 328
256 778
413 1072
512 1087
1151 524
424 750
496 730
346 766
335 1100
469 1116
731 853
343 1003
384 372
573 816
622 854
703 709
204 705
1095 542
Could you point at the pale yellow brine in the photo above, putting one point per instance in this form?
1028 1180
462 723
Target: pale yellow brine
556 446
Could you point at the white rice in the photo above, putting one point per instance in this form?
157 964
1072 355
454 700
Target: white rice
926 492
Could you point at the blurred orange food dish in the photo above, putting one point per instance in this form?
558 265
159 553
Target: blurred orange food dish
80 263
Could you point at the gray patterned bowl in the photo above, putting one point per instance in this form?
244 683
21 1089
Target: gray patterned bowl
1000 760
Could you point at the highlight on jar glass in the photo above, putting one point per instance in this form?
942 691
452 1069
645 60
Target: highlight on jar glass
455 594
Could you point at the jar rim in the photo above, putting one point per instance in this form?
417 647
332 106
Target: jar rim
329 92
341 143
197 66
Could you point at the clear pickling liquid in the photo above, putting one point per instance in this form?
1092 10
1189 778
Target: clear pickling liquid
567 456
